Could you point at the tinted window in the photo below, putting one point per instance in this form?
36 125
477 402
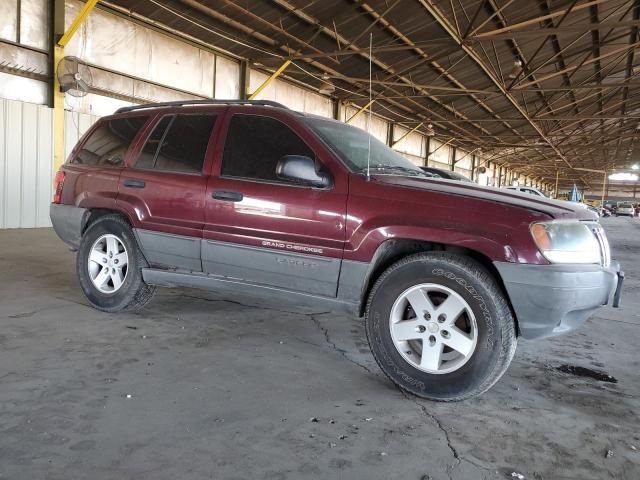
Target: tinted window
178 143
109 142
148 153
255 144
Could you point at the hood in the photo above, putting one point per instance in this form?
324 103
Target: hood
554 208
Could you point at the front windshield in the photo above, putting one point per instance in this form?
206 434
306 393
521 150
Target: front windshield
352 145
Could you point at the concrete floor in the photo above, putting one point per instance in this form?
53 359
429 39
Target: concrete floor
197 386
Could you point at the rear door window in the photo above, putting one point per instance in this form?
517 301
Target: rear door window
108 143
178 143
147 155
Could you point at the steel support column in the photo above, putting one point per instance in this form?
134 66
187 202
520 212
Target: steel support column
337 108
60 40
56 97
390 134
244 79
427 150
473 166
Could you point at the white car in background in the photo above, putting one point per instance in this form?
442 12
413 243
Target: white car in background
529 190
536 192
625 208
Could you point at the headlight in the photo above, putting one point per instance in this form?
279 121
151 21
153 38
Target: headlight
567 242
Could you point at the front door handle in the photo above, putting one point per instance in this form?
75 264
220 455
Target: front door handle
133 183
227 196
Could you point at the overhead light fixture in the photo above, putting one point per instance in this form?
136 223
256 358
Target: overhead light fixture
517 68
429 132
635 166
327 87
624 177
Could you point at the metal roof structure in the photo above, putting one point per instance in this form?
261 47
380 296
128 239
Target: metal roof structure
543 86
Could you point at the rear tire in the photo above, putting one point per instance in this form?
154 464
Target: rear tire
109 266
440 326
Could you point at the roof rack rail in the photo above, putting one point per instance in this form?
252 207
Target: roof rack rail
180 103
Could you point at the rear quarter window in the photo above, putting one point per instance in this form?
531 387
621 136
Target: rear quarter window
107 145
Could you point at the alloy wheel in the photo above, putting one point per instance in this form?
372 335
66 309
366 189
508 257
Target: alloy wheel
433 328
108 263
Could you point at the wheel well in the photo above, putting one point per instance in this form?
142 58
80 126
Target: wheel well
97 213
393 250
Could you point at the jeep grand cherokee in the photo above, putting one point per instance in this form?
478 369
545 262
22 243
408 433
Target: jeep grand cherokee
250 196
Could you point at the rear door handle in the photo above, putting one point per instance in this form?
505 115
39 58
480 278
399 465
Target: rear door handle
133 183
227 196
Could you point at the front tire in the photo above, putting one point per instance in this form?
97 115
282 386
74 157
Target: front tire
440 327
109 266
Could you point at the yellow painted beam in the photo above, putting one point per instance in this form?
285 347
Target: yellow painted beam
58 96
58 113
360 111
273 76
84 12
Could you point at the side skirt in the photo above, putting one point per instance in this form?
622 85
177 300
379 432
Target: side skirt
163 278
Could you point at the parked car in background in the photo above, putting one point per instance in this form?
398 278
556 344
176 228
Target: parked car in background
524 189
539 193
253 198
596 210
626 209
448 174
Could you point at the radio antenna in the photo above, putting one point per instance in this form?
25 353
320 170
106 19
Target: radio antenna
369 112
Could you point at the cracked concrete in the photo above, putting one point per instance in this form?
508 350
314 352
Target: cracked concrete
206 386
409 397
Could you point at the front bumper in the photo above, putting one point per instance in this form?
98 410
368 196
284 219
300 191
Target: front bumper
553 299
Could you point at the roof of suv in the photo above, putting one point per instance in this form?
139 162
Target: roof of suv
182 103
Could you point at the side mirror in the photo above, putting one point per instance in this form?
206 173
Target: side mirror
302 170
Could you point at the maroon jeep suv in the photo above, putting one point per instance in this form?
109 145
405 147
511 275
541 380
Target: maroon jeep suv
253 197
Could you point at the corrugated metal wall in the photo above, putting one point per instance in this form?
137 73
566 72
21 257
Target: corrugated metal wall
26 159
26 152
